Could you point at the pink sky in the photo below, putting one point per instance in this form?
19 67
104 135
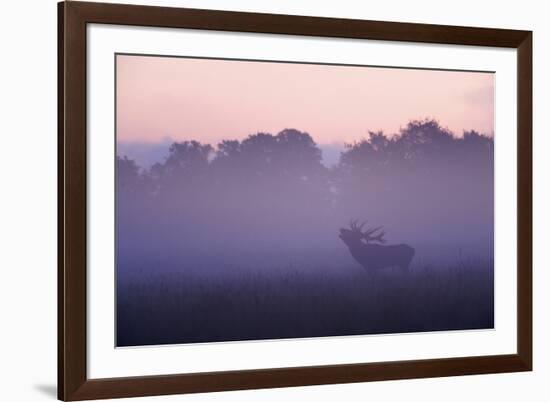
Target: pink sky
211 100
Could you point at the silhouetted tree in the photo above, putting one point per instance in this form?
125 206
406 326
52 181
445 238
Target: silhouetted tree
127 173
423 172
184 169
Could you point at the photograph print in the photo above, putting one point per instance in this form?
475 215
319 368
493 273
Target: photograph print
264 200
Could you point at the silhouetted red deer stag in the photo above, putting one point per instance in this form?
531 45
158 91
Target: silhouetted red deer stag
375 256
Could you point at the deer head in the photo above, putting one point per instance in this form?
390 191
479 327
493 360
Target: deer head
355 234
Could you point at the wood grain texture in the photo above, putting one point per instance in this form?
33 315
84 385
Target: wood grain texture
73 383
72 194
525 199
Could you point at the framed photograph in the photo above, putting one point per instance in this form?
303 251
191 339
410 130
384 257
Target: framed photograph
253 200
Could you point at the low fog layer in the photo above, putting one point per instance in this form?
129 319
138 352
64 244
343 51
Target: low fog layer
269 201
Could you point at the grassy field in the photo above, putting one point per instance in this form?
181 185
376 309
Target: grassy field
194 305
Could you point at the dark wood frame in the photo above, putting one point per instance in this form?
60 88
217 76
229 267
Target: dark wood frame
73 383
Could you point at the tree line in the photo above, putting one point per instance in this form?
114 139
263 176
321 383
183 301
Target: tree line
417 181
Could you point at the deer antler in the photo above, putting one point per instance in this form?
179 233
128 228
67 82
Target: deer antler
356 228
369 236
369 232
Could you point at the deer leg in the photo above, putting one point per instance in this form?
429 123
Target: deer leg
407 264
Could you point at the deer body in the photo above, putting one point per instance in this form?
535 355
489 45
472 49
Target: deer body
374 257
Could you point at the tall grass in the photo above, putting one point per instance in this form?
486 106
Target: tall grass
193 305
